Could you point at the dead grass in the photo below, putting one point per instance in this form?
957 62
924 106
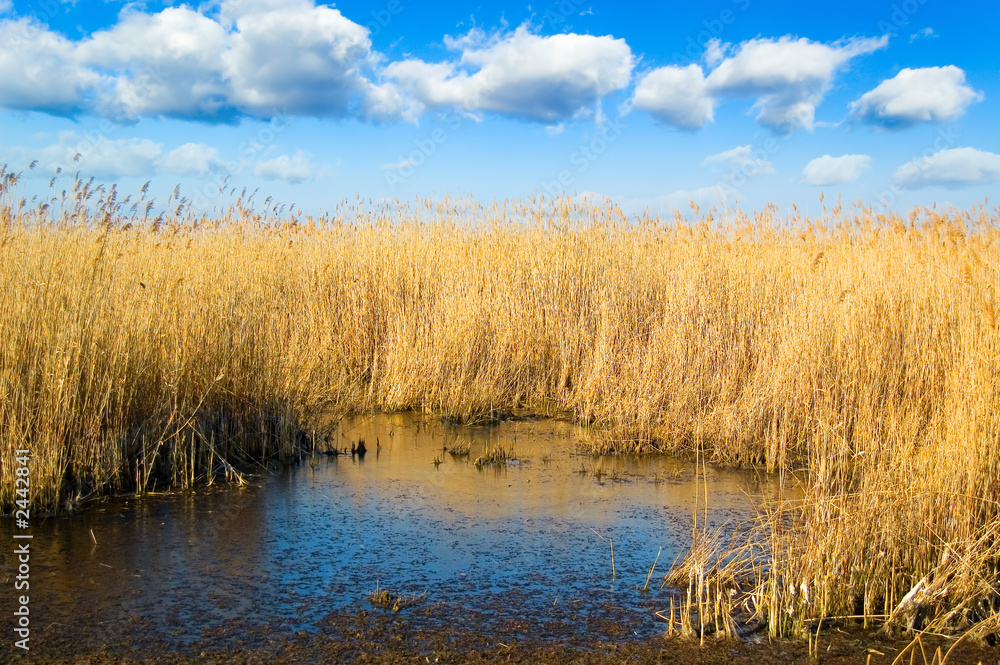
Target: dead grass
138 353
460 449
387 600
496 454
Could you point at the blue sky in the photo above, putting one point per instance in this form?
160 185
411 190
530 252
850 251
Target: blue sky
736 101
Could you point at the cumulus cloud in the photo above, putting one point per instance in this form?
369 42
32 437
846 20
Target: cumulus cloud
676 96
952 167
293 170
786 77
916 95
39 70
299 56
170 63
519 74
254 58
262 58
743 158
827 170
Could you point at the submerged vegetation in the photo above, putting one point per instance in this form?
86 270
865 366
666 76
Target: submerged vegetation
860 348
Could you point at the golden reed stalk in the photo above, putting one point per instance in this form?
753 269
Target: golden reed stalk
137 353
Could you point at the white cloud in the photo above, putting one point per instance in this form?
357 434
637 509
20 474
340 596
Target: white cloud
952 167
916 95
263 58
6 6
38 69
190 158
169 63
106 158
743 158
827 170
677 96
102 157
715 52
520 74
299 56
383 102
254 58
787 77
919 34
294 169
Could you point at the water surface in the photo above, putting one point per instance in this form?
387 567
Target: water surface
526 544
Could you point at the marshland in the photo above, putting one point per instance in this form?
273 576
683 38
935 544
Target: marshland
847 362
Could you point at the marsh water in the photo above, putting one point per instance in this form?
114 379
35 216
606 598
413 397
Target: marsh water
525 545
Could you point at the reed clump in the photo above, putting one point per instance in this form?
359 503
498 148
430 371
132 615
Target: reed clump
496 454
860 348
460 449
388 600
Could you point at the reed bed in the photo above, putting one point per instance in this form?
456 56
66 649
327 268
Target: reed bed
862 349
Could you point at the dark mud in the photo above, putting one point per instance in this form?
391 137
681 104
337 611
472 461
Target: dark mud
384 638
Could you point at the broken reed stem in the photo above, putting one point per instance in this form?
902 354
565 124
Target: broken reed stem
645 587
612 542
815 639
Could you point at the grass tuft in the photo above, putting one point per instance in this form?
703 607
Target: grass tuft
387 600
460 449
496 454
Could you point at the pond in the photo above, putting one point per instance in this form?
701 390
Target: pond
523 547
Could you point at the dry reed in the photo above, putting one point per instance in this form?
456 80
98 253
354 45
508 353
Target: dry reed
860 347
388 600
460 449
496 454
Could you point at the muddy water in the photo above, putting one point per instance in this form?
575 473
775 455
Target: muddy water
526 544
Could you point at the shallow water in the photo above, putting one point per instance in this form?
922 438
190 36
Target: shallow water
526 544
